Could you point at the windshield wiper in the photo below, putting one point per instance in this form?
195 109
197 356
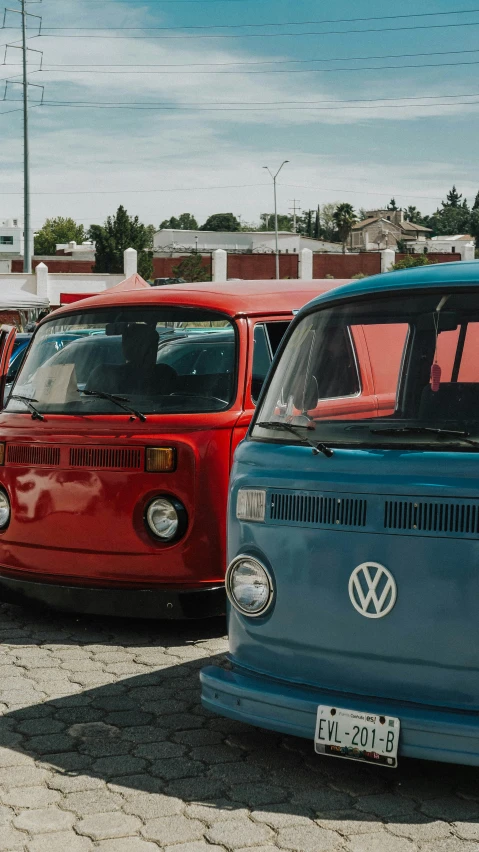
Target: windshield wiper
28 400
121 401
317 448
426 430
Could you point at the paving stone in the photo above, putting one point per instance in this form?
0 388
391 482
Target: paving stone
8 757
450 844
22 776
451 809
174 829
215 811
151 805
180 767
419 828
235 833
308 838
118 765
30 797
350 822
256 794
11 839
93 802
279 816
75 783
466 830
60 841
133 785
322 800
380 841
159 751
196 846
106 826
41 820
126 844
385 805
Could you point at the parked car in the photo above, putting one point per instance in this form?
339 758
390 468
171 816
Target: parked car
160 282
353 530
117 448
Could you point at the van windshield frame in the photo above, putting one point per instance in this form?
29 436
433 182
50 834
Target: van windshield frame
406 333
156 359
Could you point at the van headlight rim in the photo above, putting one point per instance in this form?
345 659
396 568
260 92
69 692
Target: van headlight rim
233 566
178 517
5 509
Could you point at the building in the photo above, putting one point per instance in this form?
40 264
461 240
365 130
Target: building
170 242
84 251
461 244
11 242
383 229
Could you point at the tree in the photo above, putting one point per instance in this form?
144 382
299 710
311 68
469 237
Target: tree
412 214
317 224
221 222
285 222
191 269
184 222
453 198
392 205
344 219
117 234
59 230
328 229
475 206
412 260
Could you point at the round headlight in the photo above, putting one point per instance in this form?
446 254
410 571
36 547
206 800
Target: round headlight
249 586
4 509
162 518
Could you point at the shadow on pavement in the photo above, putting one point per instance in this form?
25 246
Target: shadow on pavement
148 732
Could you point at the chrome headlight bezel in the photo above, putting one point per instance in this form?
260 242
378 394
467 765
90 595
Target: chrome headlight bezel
246 557
181 518
8 507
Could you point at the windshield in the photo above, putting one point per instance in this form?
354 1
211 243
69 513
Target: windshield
380 372
154 360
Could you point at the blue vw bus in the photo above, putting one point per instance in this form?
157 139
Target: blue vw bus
353 575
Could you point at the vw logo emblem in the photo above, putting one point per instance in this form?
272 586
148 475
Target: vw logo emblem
372 590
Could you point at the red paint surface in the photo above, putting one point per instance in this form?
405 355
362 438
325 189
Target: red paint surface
163 266
346 265
57 264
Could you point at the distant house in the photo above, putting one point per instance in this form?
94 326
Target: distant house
383 229
12 241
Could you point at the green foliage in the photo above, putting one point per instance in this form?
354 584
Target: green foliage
317 224
392 205
453 198
344 219
191 269
359 275
59 230
184 222
412 214
117 234
412 260
475 206
221 222
285 222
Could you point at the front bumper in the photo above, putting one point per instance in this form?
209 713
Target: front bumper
159 603
427 733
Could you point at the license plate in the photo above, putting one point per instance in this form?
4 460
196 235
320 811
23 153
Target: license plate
357 736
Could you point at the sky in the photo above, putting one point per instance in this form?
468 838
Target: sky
171 106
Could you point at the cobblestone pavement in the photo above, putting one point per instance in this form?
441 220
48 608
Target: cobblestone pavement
104 746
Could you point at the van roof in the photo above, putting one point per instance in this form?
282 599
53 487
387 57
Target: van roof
458 273
235 298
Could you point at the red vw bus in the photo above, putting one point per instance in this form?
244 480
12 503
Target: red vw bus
115 450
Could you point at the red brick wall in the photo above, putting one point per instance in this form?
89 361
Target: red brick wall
57 264
436 257
163 266
261 266
346 265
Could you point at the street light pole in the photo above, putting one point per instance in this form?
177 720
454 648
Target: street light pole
276 211
27 260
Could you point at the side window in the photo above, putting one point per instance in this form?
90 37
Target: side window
261 360
275 332
336 372
386 343
469 369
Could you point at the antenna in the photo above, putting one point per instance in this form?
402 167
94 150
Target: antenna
27 259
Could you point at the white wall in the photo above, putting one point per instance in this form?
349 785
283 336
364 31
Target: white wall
170 240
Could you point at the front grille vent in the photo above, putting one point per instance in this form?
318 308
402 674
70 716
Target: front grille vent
317 510
121 458
432 517
33 454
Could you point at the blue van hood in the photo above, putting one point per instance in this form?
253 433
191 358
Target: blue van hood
414 513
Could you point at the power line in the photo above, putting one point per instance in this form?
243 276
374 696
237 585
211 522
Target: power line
265 35
274 24
55 65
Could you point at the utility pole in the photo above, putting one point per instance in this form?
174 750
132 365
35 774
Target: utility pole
295 210
276 212
27 230
27 260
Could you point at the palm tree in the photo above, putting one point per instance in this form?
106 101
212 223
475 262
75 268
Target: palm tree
344 219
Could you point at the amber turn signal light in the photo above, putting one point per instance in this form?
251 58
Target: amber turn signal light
160 459
2 454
